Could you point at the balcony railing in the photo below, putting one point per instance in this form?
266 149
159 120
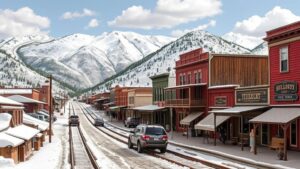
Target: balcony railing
185 103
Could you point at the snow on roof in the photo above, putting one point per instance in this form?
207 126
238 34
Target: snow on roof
148 108
23 99
22 131
15 91
4 100
5 119
42 126
7 140
12 107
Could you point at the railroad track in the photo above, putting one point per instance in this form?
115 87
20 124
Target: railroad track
173 157
81 156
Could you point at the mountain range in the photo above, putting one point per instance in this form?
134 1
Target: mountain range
81 61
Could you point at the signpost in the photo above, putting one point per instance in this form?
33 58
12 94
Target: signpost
252 96
221 101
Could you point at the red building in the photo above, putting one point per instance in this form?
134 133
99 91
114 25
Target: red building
189 97
282 121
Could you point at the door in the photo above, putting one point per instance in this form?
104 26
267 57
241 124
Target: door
265 128
293 134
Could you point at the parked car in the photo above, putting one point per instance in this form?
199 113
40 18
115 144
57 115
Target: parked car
148 136
98 121
74 120
132 122
46 114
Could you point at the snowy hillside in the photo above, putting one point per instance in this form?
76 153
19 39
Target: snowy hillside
83 60
261 49
163 60
243 40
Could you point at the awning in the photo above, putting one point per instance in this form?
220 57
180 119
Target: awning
116 108
22 99
237 110
7 140
22 132
208 122
189 118
149 108
277 116
101 99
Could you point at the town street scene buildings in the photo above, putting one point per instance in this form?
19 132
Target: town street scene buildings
191 99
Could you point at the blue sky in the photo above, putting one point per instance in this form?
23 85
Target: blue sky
169 22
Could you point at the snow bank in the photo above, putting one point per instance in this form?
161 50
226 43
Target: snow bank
6 163
4 120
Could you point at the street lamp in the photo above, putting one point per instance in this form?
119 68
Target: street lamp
50 107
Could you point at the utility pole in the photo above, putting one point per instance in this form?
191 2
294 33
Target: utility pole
50 109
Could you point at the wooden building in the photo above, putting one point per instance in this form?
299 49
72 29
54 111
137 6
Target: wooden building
100 99
206 82
282 121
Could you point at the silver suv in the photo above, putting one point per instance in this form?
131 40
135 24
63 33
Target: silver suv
148 136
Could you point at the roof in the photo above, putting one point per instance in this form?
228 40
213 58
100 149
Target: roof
15 91
224 86
22 132
238 109
23 99
189 118
277 115
148 108
4 100
42 125
187 85
7 140
108 104
12 107
5 119
208 122
116 107
159 75
101 99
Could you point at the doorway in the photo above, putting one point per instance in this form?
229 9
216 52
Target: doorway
265 128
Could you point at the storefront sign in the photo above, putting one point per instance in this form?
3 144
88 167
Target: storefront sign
221 101
286 91
252 96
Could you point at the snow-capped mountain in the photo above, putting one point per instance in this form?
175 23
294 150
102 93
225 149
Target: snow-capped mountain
83 61
164 59
249 42
261 49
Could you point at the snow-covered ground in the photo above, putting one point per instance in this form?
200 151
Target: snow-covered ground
51 155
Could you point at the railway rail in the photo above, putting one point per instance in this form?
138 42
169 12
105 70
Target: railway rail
173 157
81 156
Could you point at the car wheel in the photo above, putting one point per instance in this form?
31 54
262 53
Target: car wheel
163 150
129 143
139 148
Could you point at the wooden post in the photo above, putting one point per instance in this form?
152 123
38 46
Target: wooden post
255 125
242 133
285 127
215 132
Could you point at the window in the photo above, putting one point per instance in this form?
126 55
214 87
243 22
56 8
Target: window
198 76
284 58
189 78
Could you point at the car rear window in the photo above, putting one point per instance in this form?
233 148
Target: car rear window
155 131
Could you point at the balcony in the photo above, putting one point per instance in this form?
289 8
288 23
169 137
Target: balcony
185 103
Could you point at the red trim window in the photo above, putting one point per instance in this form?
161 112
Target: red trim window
284 59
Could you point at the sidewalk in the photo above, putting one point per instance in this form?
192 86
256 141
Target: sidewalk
264 154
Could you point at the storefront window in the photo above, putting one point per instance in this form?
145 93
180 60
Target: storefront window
284 59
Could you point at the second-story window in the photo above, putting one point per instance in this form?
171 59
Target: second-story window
198 77
284 59
189 78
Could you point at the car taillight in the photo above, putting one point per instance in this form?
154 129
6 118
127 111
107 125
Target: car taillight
164 137
145 137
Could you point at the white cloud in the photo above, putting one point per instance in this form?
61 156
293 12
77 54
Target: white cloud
73 15
258 25
178 33
167 14
22 22
93 23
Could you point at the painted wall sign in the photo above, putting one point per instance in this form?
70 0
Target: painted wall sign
252 96
221 101
286 91
286 87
